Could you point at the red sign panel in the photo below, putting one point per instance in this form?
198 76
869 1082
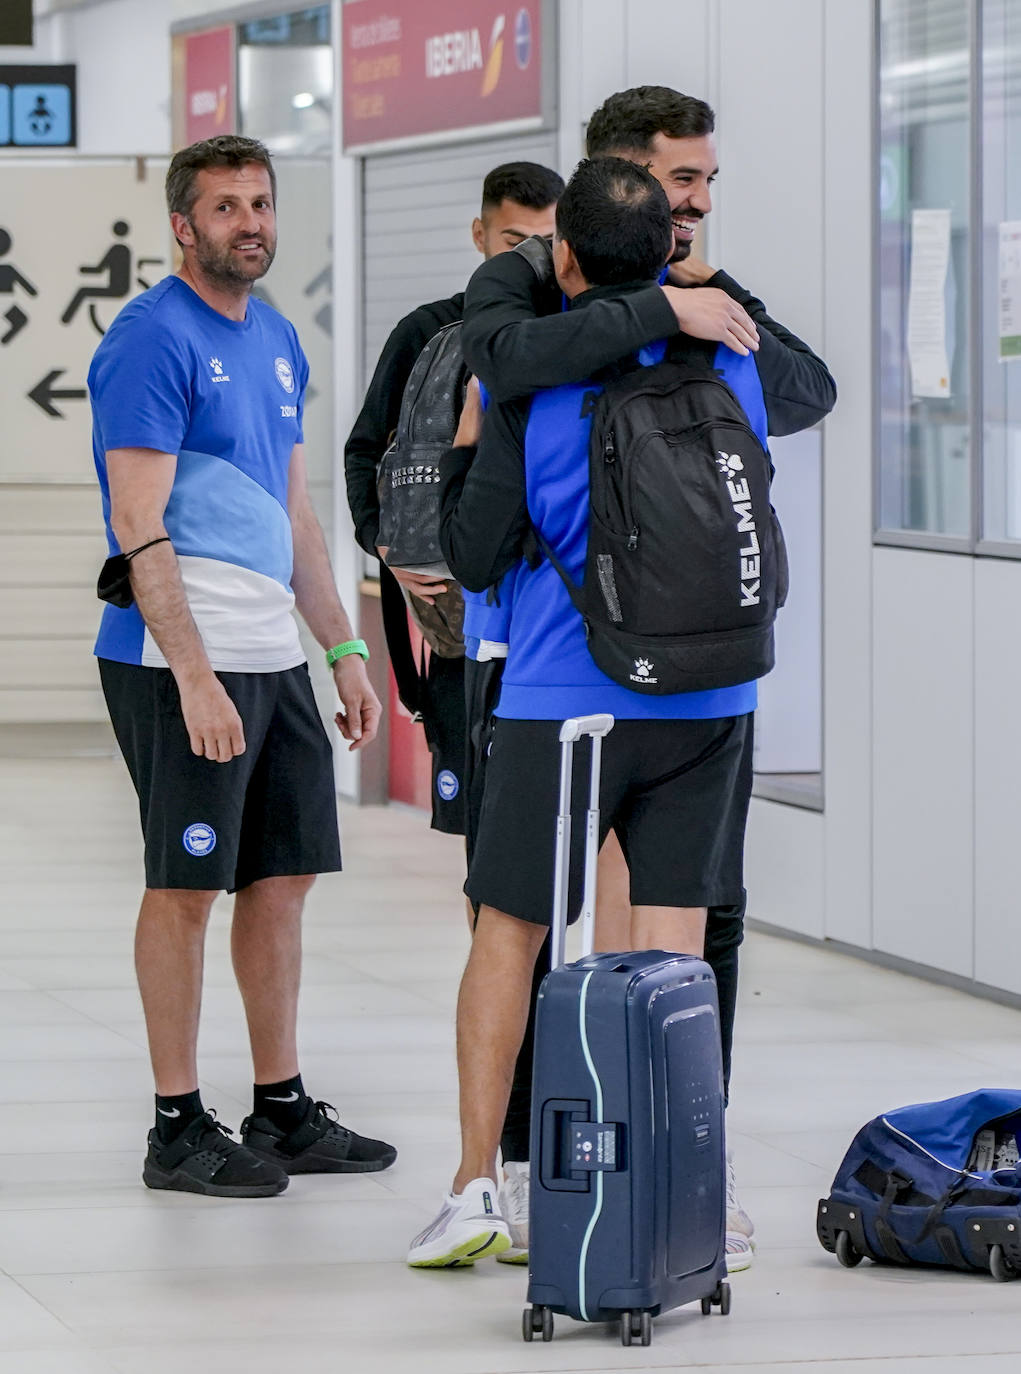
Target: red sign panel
414 69
209 104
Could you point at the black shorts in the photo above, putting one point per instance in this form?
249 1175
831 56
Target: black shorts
271 812
442 707
675 791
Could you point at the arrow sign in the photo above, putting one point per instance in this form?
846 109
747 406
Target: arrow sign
44 394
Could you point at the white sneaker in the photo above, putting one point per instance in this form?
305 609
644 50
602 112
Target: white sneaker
740 1228
739 1250
468 1228
514 1208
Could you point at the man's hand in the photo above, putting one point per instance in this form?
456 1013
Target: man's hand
469 428
705 312
424 585
359 716
211 718
690 271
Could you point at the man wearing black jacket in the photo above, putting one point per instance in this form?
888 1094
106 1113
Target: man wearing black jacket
518 200
517 339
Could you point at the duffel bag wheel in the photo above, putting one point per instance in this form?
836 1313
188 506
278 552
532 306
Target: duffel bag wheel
724 1299
999 1266
625 1328
707 1306
644 1331
846 1253
547 1323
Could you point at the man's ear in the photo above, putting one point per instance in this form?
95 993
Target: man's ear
183 232
564 261
479 235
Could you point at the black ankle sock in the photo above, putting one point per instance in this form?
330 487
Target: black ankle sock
285 1104
174 1114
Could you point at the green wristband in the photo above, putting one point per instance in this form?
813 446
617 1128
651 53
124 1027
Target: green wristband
353 646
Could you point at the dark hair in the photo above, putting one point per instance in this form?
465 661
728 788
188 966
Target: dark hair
525 183
226 150
628 121
616 218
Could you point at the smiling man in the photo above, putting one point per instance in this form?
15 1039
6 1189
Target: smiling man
197 395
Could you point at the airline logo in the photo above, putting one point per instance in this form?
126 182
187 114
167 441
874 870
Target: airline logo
453 54
209 103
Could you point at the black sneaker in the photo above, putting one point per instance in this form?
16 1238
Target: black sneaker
320 1145
203 1160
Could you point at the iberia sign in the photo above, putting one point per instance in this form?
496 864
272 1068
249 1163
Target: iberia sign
418 71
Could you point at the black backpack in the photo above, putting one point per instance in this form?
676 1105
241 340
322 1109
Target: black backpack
409 471
686 565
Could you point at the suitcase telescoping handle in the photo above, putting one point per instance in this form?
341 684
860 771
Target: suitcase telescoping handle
570 732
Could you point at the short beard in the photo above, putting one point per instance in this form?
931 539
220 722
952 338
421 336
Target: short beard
219 265
681 251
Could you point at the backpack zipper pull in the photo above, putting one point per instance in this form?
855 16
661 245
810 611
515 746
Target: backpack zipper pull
632 540
609 449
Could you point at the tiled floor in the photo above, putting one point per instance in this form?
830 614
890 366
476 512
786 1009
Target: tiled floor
99 1276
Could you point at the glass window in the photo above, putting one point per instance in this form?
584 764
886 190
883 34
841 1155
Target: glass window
285 81
1001 268
924 71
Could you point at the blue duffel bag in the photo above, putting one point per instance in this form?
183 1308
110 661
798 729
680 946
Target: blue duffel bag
936 1183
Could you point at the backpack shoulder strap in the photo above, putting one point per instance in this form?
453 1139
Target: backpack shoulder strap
573 590
424 363
398 642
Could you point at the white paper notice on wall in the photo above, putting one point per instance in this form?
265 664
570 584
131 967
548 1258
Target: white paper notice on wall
927 307
1010 291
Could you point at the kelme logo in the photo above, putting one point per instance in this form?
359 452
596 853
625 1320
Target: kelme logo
643 673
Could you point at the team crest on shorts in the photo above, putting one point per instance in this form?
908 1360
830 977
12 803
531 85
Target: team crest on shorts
447 784
199 839
285 374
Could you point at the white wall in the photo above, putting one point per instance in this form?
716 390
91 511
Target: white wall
847 475
997 752
923 807
122 49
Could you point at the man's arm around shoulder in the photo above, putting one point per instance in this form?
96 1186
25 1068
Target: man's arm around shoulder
798 387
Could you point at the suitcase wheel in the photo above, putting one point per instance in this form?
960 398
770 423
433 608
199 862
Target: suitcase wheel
537 1321
636 1326
845 1251
720 1298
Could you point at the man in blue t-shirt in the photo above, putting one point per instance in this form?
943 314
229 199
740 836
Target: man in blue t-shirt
676 768
197 395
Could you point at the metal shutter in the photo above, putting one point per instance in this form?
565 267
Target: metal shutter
418 210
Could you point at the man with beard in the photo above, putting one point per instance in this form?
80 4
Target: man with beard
518 339
197 394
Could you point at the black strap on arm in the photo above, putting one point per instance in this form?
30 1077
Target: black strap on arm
114 584
398 642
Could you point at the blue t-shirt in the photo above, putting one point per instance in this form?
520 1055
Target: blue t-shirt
226 397
550 673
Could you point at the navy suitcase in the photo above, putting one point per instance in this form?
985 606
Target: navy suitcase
628 1191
